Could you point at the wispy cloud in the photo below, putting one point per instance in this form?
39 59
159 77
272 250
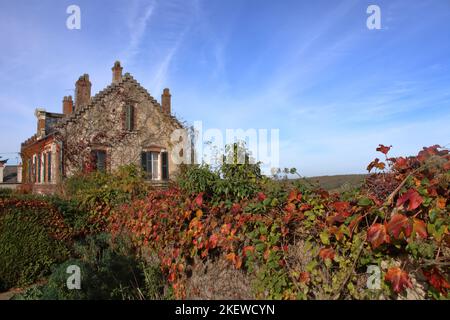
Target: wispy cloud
137 23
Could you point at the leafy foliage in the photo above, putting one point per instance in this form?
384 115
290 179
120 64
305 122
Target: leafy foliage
30 240
400 212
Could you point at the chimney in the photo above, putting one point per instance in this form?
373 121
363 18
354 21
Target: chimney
40 115
82 91
116 72
67 105
165 101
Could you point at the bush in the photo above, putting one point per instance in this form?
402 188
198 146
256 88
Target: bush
30 234
97 193
107 272
236 178
5 193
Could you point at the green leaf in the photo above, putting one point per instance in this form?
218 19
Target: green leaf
325 238
365 202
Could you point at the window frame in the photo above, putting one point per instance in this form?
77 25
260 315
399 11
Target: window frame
129 117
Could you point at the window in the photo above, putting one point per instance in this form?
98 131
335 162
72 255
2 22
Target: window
29 171
165 165
44 176
39 168
33 170
49 167
150 165
129 118
99 160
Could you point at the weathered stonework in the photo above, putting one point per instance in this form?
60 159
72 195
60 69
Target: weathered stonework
101 123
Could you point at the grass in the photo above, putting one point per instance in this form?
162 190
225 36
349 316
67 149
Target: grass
338 182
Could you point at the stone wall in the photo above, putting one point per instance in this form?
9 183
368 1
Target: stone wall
101 126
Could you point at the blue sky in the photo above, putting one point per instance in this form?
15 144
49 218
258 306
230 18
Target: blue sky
334 88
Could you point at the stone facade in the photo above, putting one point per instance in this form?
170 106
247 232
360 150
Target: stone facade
122 124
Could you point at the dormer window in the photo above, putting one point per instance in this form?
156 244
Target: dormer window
129 118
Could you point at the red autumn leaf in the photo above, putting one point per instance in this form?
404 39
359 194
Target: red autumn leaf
400 163
384 149
398 278
292 196
447 166
304 277
261 196
341 206
247 250
412 197
340 217
377 235
398 224
326 253
376 164
213 241
420 228
427 152
435 278
290 207
199 200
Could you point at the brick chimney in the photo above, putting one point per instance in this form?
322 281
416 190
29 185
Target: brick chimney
116 72
165 101
40 115
67 105
82 91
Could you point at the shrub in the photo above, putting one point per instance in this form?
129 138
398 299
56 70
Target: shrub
30 241
107 272
234 179
5 193
97 192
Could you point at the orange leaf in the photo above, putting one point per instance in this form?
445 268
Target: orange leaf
377 235
441 203
420 228
341 206
398 278
231 256
376 164
238 262
327 253
412 197
292 196
304 277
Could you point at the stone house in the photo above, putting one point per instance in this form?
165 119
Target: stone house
122 124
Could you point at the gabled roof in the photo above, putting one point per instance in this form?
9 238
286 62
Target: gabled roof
127 78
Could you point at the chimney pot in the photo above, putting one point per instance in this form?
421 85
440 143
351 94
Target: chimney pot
166 101
67 105
116 72
82 91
